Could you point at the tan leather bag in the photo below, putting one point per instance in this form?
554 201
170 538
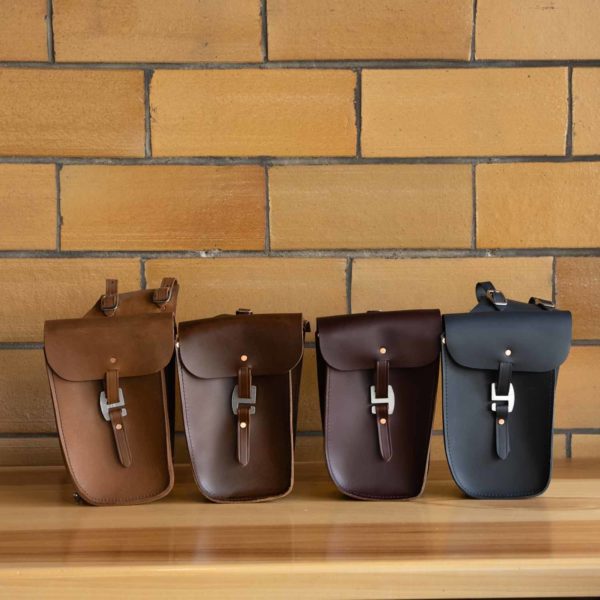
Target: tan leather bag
239 377
111 378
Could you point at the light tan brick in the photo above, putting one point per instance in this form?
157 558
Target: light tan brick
529 205
23 30
294 112
314 286
52 288
25 404
157 31
578 390
444 283
585 446
309 413
371 206
28 207
464 112
586 111
28 452
162 207
49 112
578 290
353 29
534 30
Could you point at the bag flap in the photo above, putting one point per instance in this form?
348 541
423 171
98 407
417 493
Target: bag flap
81 349
352 342
212 348
538 341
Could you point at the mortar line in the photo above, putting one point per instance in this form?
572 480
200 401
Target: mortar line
569 135
143 282
27 435
147 116
569 445
358 112
264 31
59 219
50 31
554 279
472 54
21 345
473 207
349 267
267 212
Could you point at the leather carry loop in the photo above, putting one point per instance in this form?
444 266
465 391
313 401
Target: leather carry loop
112 405
164 294
383 401
485 290
541 303
109 302
243 404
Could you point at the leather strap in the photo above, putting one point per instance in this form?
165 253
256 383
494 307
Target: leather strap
117 421
164 294
486 291
502 433
110 301
382 377
504 378
243 416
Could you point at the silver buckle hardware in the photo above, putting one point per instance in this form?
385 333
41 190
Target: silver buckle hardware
105 407
390 400
236 400
496 297
510 398
546 304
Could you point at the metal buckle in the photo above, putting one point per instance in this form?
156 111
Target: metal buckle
236 400
545 304
168 298
390 400
113 306
105 407
510 398
496 297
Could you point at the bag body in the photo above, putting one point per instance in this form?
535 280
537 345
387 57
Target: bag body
500 365
109 379
239 377
378 374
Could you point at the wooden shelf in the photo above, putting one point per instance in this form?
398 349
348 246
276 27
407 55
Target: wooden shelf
313 544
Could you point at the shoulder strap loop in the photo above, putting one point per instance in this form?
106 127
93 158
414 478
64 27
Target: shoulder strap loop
109 302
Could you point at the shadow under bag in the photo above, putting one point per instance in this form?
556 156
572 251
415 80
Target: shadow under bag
378 374
111 376
239 377
500 365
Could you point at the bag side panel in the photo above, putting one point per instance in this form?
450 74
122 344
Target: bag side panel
211 430
88 444
469 432
351 442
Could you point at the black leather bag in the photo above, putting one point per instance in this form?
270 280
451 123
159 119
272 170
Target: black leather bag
500 365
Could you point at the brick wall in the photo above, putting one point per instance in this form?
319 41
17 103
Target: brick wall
308 155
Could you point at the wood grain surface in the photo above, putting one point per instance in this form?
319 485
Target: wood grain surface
313 544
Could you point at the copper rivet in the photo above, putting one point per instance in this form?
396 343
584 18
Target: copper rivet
500 421
382 350
508 352
244 357
243 425
383 421
113 359
118 426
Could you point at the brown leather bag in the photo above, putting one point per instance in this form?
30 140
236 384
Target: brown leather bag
111 376
239 377
378 375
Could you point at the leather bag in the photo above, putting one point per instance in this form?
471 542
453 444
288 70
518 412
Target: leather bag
111 377
500 365
239 377
378 374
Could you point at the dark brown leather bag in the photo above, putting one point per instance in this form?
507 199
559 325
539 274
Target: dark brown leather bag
378 374
239 377
111 376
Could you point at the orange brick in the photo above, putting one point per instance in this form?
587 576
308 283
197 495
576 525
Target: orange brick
28 452
309 413
578 390
353 29
71 112
371 206
586 446
314 286
530 29
586 111
529 205
578 290
28 207
157 31
25 404
55 288
23 30
444 283
464 112
246 112
162 207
